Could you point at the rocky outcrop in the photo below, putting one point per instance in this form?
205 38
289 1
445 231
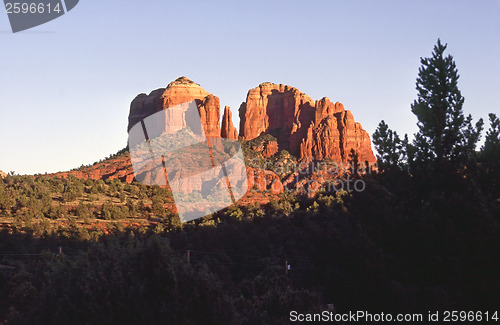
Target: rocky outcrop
334 133
309 130
2 174
264 180
270 149
281 110
117 167
228 130
209 110
180 91
353 136
322 141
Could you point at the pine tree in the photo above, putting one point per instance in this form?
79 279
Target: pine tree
444 135
354 162
389 146
490 158
491 148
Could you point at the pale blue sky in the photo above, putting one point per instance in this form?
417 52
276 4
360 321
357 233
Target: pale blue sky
66 86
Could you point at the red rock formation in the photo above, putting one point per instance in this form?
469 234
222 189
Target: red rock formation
117 167
180 91
228 130
210 116
322 141
281 110
144 105
353 136
321 130
324 107
317 130
270 149
264 180
308 129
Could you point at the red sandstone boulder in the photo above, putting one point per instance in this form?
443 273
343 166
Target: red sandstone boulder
270 149
264 180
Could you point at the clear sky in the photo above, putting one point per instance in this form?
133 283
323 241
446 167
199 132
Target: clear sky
66 86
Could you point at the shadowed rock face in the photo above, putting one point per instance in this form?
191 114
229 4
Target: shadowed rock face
308 129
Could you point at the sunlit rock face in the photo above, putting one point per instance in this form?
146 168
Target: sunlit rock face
180 91
317 130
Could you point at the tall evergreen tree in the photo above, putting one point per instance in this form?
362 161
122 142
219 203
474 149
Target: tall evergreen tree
444 132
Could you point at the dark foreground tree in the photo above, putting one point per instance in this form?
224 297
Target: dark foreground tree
389 146
490 159
445 135
491 147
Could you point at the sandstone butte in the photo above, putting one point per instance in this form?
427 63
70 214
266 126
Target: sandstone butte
308 129
180 91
